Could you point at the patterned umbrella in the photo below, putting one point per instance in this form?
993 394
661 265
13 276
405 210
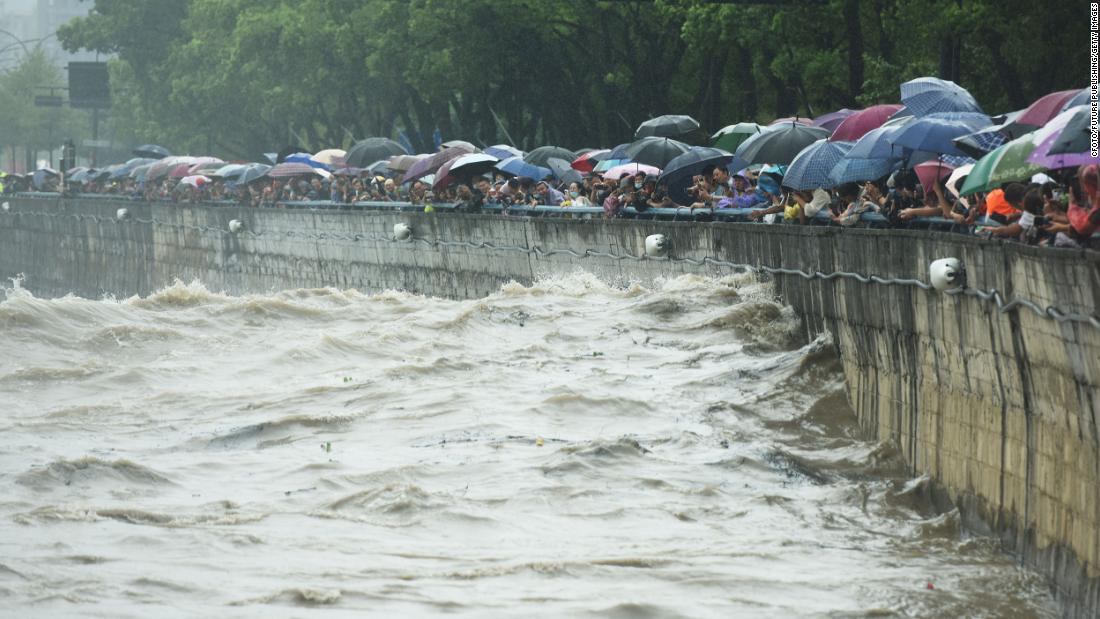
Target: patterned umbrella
779 144
849 170
932 135
667 126
857 125
927 95
981 142
289 169
810 169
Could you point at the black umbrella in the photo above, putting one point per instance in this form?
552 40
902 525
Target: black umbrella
779 144
563 171
151 151
541 155
1074 137
656 152
666 126
366 152
677 175
252 172
288 151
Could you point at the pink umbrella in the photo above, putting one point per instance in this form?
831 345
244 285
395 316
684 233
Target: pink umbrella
858 124
443 178
289 169
1045 108
616 172
931 172
180 171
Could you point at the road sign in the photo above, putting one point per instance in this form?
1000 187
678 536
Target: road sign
48 101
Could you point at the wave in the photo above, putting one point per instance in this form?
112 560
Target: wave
90 470
279 432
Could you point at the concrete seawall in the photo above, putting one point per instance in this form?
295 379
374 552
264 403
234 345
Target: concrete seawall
1001 409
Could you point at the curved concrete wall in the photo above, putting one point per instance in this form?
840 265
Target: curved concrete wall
1002 409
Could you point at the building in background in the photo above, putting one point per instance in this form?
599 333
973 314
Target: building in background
24 26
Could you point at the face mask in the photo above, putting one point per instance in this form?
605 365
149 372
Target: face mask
574 193
637 185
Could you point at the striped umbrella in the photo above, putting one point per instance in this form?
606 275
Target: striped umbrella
810 168
288 169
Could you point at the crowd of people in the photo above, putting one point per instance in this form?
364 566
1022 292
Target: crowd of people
1057 207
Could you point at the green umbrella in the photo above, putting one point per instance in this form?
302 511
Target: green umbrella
730 137
1005 164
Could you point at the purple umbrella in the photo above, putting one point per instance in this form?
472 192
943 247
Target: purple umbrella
832 120
1051 133
429 165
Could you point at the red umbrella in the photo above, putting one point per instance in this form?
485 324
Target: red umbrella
289 169
856 125
588 161
931 172
1046 107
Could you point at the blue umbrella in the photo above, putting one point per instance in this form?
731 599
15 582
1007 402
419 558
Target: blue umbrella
503 151
975 120
810 168
516 166
849 170
606 164
979 143
877 144
307 159
932 135
619 153
927 95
